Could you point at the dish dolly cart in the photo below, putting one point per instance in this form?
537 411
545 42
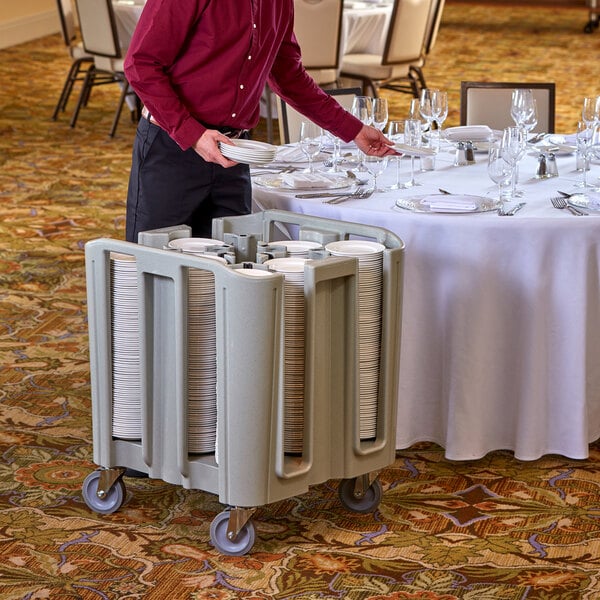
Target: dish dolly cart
249 464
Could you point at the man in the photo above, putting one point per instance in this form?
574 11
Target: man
199 67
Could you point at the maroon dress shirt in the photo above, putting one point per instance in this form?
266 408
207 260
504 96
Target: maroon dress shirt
199 62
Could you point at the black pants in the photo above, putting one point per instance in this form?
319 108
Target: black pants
169 186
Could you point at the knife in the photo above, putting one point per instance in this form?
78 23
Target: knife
516 209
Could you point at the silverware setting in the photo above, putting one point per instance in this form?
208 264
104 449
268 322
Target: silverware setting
357 195
275 170
561 203
512 211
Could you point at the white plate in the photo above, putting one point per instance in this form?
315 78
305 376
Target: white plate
249 151
192 244
354 247
272 181
587 201
414 151
286 265
444 203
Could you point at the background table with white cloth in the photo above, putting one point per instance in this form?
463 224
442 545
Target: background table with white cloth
501 315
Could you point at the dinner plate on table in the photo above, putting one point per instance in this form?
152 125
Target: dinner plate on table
559 145
588 201
447 203
303 181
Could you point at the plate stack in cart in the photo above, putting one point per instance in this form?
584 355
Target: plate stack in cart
298 248
202 348
370 281
127 416
292 269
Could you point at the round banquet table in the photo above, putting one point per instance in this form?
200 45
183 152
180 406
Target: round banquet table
500 340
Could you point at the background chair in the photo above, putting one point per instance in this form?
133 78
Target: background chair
488 103
400 66
79 57
318 29
101 40
290 118
433 26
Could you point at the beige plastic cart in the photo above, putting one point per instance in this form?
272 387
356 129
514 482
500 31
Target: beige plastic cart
250 466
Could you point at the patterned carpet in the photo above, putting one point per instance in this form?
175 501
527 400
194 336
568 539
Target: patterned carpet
495 528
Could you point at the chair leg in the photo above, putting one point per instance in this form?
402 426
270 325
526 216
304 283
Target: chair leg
67 88
84 94
124 93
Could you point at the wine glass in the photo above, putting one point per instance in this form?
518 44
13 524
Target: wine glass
362 109
375 165
590 112
521 105
426 106
414 111
514 143
412 137
531 119
380 113
499 171
395 132
439 108
311 142
337 152
584 142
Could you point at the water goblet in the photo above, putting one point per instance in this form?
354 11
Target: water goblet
513 147
311 142
439 106
530 120
521 105
584 142
499 171
414 111
590 111
412 137
362 109
395 132
426 106
337 152
380 113
376 165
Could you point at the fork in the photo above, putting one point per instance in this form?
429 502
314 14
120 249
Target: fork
560 202
358 195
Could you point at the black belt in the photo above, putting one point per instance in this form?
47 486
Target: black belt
230 132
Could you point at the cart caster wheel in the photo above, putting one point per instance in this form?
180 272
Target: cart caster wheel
368 503
107 505
237 547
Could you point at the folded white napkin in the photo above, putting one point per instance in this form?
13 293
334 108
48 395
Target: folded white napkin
465 133
307 180
290 154
448 203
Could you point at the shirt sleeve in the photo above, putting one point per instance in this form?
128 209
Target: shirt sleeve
290 81
156 43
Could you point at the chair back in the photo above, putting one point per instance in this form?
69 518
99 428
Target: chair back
488 103
318 27
290 119
67 20
98 27
407 34
433 24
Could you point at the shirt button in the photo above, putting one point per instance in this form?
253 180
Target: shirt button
254 25
242 86
233 114
249 57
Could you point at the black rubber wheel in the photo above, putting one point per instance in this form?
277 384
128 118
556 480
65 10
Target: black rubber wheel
368 503
105 506
218 536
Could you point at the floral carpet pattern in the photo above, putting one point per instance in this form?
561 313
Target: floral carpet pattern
495 528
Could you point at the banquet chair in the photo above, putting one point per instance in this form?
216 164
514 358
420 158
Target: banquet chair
433 26
318 29
290 118
404 53
101 40
79 57
488 103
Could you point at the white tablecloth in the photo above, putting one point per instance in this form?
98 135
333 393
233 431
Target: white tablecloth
365 29
501 321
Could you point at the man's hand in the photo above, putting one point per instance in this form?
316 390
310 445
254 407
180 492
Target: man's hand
207 147
372 141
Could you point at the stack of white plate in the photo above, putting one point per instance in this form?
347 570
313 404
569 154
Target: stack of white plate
370 281
298 248
127 415
249 151
292 269
202 347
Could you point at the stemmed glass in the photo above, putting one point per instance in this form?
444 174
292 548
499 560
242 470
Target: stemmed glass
362 109
530 120
590 112
514 143
414 111
337 152
412 137
311 142
395 132
499 170
375 165
521 105
426 106
584 142
439 109
380 113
